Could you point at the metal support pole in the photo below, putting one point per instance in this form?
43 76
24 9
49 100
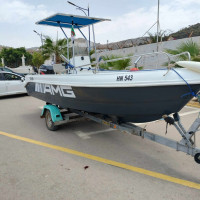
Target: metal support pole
42 41
68 50
67 42
95 46
158 25
73 54
73 49
149 29
88 14
89 31
41 37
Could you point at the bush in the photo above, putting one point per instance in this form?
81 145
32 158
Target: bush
117 65
190 46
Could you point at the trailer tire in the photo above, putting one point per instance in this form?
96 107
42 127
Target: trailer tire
197 158
49 122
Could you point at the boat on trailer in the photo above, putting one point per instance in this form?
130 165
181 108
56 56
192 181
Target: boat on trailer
124 96
115 98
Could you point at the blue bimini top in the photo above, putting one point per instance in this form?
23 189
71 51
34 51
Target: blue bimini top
67 20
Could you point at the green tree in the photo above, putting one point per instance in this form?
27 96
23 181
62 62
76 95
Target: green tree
38 59
12 57
57 48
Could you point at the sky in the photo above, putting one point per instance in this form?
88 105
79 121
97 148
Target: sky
129 18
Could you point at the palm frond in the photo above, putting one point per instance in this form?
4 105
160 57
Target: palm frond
57 48
117 65
189 46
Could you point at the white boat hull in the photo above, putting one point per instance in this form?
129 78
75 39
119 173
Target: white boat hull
139 96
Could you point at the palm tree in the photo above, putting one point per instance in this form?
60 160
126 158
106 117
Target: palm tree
162 36
57 48
117 65
190 46
122 64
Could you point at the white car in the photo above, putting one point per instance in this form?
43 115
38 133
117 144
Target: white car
11 83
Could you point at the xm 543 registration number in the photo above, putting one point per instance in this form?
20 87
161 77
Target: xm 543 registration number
125 78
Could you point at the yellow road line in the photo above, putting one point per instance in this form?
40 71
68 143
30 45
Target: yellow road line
195 104
106 161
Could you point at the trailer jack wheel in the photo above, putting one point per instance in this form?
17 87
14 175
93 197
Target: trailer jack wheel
49 122
197 158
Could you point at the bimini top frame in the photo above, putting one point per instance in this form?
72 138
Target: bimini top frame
69 21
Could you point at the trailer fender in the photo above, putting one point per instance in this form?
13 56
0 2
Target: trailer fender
55 113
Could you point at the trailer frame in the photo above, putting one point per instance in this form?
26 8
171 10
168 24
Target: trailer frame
186 145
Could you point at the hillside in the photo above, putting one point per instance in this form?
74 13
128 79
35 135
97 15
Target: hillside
1 47
124 44
191 31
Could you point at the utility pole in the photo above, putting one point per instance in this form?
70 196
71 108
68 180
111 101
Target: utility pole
41 37
86 14
158 25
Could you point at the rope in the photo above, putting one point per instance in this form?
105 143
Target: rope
169 67
191 91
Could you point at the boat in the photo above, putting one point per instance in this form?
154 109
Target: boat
125 96
191 65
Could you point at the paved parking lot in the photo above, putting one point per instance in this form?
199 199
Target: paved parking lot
76 162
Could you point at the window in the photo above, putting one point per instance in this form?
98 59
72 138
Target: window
1 77
11 77
7 70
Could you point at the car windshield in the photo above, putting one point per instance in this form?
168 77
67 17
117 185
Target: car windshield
7 70
11 77
49 67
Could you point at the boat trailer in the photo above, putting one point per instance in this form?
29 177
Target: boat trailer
55 117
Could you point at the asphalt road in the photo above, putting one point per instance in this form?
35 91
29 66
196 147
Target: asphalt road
30 171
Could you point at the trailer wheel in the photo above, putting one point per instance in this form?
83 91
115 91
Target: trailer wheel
49 122
197 158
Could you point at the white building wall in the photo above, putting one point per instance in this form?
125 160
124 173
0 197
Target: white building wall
149 62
